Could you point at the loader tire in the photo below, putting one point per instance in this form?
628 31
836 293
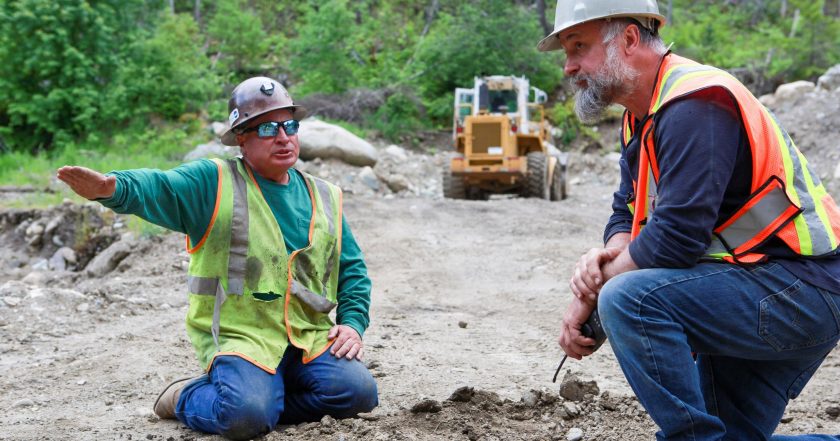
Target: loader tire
558 183
537 182
453 186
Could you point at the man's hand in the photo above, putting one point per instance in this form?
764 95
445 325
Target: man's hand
571 339
87 183
347 342
588 278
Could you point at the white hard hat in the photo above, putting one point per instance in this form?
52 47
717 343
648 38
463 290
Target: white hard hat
574 12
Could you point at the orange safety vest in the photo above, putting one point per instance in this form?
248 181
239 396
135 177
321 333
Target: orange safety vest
787 199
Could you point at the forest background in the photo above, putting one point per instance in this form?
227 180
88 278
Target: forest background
135 83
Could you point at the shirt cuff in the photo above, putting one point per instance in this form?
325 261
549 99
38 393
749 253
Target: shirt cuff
355 324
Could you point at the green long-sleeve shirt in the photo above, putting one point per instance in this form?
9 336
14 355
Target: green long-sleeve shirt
182 199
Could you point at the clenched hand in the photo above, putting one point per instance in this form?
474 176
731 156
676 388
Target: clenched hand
347 342
87 183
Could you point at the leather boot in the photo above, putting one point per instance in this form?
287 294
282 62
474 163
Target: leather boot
167 400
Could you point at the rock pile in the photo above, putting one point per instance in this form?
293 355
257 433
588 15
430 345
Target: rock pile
811 114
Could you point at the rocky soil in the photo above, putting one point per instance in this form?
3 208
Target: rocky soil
465 311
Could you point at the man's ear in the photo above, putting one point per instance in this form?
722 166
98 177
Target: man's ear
632 38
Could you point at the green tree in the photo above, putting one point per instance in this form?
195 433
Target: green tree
485 37
322 53
56 59
166 74
238 42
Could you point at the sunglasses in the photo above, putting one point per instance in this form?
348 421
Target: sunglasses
270 129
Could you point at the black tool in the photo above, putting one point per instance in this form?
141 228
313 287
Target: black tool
591 329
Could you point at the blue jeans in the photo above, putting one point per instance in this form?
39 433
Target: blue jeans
759 334
238 400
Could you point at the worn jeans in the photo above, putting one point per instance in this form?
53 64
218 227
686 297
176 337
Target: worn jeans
759 334
238 400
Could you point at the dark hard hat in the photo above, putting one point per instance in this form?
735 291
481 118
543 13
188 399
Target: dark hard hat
254 97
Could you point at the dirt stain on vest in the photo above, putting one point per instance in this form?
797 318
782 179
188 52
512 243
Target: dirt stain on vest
253 272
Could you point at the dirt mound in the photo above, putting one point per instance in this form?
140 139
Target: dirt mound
474 415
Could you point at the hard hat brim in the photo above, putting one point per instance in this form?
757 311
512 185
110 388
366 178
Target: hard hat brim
552 42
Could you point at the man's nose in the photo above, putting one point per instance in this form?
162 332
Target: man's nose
282 137
571 67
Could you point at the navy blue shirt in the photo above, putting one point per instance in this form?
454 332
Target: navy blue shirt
705 168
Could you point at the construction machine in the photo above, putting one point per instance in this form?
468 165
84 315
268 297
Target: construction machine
501 138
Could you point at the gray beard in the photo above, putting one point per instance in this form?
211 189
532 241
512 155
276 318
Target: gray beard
614 79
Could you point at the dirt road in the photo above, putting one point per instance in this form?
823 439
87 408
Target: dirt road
465 294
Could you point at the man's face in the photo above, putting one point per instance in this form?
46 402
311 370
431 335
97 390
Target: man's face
597 71
270 157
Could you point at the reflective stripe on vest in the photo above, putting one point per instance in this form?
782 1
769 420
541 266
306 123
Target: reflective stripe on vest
787 199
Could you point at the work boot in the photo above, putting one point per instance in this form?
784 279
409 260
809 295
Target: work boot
167 400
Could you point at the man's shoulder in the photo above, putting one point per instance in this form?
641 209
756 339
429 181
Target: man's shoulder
701 106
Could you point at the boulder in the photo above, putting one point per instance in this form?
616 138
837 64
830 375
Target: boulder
322 140
768 100
210 150
107 260
218 128
830 80
794 90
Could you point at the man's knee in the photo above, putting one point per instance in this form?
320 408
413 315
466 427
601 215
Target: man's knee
614 300
249 418
355 393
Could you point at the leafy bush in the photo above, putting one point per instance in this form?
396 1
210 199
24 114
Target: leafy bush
168 74
321 52
238 42
399 116
485 37
56 59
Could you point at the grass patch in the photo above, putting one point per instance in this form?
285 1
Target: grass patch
142 228
161 148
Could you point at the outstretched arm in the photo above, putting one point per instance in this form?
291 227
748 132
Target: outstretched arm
181 199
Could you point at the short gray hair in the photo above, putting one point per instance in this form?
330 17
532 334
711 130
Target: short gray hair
650 38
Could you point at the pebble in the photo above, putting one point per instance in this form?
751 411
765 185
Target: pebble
833 411
26 402
462 324
327 421
81 382
786 419
531 398
575 389
368 416
11 301
575 434
571 409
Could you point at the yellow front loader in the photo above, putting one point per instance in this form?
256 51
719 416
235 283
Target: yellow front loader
501 136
